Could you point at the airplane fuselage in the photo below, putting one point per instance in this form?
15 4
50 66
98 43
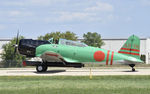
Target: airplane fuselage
83 54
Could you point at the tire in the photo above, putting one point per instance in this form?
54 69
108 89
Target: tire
133 69
39 68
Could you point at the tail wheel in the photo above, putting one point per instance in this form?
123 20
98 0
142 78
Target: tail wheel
133 69
41 68
132 66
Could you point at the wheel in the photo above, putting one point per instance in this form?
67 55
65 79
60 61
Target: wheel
132 66
39 68
133 69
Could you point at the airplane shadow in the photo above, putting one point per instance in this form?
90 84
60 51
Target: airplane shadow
130 71
50 72
59 71
103 71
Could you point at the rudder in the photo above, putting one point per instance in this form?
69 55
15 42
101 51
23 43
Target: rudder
131 47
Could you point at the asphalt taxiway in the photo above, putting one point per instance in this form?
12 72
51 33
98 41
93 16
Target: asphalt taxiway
73 72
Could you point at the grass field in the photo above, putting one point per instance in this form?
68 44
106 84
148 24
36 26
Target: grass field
75 85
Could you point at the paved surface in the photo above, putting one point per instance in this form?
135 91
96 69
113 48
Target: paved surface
71 72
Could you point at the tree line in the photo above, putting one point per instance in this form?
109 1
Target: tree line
9 59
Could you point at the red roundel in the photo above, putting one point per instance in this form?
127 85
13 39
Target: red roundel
99 56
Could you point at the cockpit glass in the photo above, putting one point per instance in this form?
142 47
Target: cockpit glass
51 40
71 43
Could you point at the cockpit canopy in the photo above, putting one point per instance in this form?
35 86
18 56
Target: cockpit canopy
71 43
67 42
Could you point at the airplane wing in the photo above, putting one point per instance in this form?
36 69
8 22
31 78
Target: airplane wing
55 57
70 60
52 57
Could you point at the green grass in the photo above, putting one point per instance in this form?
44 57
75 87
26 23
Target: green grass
75 85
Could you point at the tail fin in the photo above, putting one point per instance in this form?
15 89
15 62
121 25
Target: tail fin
131 47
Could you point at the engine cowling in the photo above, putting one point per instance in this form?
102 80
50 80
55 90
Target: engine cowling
28 46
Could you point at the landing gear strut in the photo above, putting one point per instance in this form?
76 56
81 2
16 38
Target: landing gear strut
132 66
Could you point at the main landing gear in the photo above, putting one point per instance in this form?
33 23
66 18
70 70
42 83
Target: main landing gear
132 66
41 68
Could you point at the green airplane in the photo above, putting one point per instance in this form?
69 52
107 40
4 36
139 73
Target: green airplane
67 53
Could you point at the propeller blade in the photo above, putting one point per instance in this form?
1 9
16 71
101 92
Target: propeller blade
14 54
17 37
16 45
15 50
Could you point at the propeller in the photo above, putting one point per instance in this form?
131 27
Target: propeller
16 45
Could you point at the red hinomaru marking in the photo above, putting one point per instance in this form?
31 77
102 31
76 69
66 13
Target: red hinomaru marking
107 57
24 63
128 53
112 55
130 49
99 56
52 55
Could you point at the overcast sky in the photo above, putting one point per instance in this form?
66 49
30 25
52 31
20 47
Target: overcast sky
110 18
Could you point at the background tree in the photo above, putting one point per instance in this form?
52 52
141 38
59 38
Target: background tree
56 35
93 39
9 59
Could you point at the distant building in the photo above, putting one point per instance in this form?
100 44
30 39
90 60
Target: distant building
111 44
